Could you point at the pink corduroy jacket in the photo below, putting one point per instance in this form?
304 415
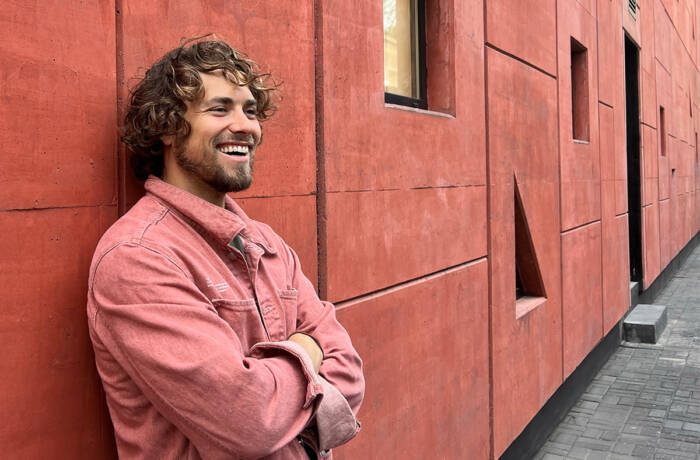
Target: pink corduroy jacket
190 337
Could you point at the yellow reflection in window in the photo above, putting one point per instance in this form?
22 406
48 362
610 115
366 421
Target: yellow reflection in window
400 57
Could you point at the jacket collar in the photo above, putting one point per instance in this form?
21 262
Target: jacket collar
222 223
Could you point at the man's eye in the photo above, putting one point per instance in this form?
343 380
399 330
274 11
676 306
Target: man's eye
252 111
218 109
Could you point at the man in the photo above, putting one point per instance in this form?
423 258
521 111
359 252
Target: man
209 339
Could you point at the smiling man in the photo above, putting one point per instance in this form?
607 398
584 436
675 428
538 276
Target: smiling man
209 339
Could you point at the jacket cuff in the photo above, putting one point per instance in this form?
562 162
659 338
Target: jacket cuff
314 387
335 421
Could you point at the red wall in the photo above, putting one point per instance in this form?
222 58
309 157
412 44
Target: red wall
402 217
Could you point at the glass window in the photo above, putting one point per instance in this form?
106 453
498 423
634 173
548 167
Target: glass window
404 68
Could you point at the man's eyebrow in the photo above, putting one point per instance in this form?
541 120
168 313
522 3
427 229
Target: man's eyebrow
219 100
223 100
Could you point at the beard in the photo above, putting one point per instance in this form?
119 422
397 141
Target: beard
223 179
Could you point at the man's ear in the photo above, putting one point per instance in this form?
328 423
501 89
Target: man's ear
167 140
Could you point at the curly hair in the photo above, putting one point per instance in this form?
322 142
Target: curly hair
157 105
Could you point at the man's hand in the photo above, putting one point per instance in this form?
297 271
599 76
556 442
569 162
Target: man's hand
310 346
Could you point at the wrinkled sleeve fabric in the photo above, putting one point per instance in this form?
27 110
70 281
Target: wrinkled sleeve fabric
189 363
341 368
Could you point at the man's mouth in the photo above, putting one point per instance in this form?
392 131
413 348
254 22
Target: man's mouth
232 149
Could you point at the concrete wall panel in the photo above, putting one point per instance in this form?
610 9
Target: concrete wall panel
663 33
50 395
665 231
389 147
610 50
579 161
663 96
522 144
294 219
377 239
651 243
269 32
58 119
582 318
534 40
615 270
425 352
650 166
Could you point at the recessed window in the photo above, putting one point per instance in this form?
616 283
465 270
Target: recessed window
404 53
529 288
579 92
528 279
662 131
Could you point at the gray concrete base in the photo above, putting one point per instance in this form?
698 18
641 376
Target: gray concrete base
645 323
634 293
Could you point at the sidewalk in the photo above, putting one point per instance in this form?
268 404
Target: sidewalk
645 401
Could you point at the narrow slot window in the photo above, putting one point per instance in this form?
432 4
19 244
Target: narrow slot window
579 92
662 131
404 53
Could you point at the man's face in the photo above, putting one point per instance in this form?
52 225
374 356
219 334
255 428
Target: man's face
217 156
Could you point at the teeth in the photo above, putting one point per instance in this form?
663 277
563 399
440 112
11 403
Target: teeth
234 149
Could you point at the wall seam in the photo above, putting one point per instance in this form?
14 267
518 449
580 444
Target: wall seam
407 283
321 216
120 151
489 254
561 254
515 57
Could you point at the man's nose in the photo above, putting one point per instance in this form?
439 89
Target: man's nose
241 122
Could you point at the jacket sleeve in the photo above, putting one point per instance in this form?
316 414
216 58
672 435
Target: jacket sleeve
188 362
341 368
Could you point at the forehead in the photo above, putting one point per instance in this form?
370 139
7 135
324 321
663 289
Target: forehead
215 85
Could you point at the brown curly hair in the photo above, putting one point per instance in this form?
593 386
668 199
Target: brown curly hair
157 104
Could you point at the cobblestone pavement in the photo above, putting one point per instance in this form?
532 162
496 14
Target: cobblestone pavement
645 401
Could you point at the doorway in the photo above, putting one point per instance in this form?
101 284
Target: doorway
634 195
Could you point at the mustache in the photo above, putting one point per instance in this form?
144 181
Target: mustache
237 137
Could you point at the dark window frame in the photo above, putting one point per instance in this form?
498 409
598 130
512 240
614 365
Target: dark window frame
420 48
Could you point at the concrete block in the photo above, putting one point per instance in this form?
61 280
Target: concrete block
645 323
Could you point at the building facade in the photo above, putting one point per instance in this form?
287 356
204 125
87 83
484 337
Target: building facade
477 246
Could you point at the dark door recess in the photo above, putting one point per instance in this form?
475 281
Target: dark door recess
634 198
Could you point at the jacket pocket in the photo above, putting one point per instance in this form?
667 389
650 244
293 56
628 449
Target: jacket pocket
290 301
243 317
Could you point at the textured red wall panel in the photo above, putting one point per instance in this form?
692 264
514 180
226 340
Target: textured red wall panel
579 161
295 217
385 147
582 319
651 243
663 33
610 47
398 180
377 239
50 395
665 231
650 165
280 37
607 161
663 97
526 350
616 274
270 32
534 40
58 92
425 352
